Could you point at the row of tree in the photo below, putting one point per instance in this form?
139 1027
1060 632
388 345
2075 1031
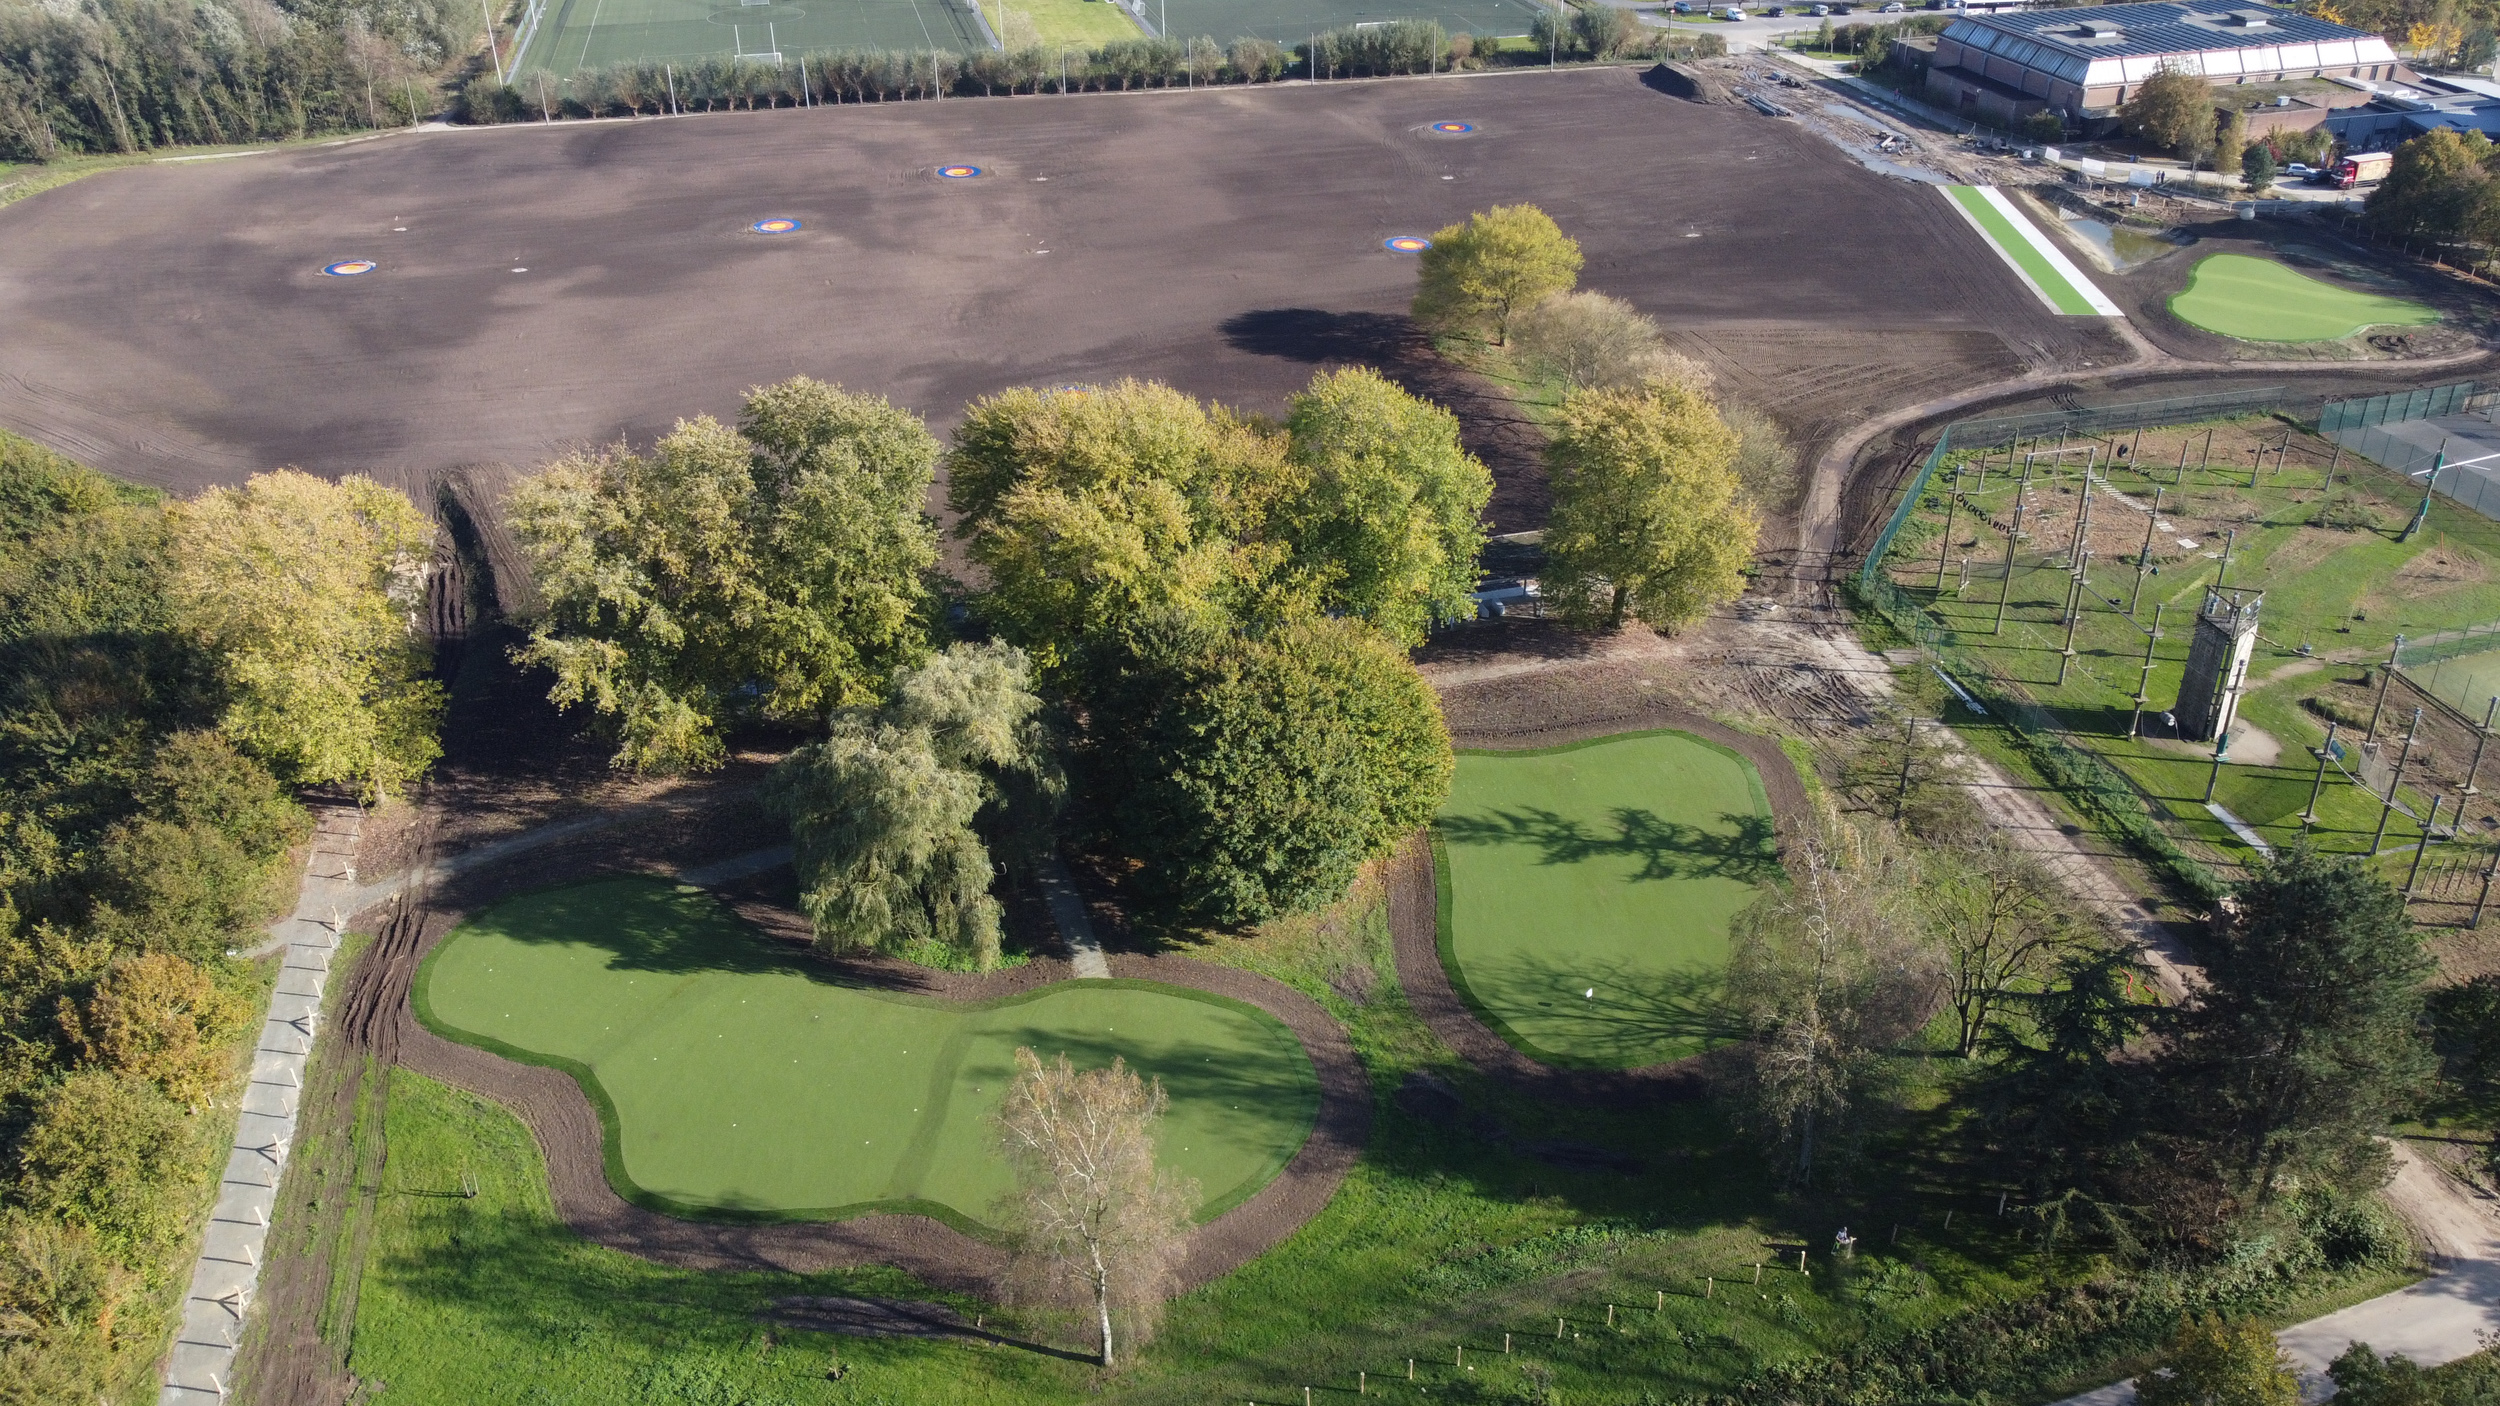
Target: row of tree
169 672
133 75
878 75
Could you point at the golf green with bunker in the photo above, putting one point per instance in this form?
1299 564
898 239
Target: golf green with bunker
739 1078
1586 891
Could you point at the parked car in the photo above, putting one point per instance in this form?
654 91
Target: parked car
1683 7
2300 171
1731 12
1896 7
1776 11
1819 11
1844 9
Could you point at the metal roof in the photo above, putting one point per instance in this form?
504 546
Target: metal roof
2164 27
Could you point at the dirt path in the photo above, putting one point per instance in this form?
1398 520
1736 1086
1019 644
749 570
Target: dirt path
569 1132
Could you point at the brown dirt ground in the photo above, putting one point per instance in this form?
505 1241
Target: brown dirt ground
169 324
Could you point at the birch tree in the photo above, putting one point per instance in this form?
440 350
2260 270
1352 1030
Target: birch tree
1092 1218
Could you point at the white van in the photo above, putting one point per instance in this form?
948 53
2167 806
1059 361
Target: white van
1732 12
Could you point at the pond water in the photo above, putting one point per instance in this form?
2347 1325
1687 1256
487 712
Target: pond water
2122 246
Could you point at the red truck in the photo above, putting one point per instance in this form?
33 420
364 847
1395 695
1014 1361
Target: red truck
2359 167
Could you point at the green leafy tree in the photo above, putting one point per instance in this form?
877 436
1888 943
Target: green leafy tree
2231 142
1821 980
2210 1362
2257 169
2306 1041
2058 1101
1386 521
1648 519
1090 509
883 811
776 569
306 593
1252 777
1501 261
105 1152
2173 109
2433 186
2363 1378
1601 31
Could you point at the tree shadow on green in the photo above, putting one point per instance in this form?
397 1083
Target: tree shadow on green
1746 850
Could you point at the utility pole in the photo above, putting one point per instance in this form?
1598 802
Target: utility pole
2144 558
2429 827
2209 452
2479 742
2394 653
1945 547
2230 540
2144 680
491 50
2387 803
2422 515
2006 593
2318 782
2074 615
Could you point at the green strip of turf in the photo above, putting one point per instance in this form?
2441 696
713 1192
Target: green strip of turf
2259 300
2002 233
736 1080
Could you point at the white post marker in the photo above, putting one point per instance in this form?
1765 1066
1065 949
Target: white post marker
491 50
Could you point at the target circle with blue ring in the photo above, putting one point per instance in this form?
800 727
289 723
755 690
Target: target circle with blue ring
776 225
349 268
1454 129
958 173
1406 244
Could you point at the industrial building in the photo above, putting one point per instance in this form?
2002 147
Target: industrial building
2082 63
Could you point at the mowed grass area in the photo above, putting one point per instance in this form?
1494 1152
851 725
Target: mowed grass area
737 1078
1050 23
1611 867
2066 289
2338 579
2259 300
1293 21
579 34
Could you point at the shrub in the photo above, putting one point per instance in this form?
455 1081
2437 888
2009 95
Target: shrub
159 1018
1590 339
105 1152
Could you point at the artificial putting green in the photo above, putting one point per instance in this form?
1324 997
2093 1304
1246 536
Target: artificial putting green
737 1078
2259 300
1611 867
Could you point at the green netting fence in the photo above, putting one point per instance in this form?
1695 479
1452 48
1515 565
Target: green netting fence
2091 784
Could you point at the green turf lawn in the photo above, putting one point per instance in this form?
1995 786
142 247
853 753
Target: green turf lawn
2259 300
579 34
737 1078
2337 590
2060 290
1080 24
1612 865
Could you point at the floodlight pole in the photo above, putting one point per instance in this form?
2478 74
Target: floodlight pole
1945 548
2317 783
673 109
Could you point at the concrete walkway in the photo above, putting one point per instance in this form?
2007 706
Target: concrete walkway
201 1365
2454 1313
1067 910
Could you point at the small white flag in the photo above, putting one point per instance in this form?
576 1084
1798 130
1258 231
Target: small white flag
1591 993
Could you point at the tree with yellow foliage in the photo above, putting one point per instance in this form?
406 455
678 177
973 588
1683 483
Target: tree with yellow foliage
1649 520
1501 261
307 592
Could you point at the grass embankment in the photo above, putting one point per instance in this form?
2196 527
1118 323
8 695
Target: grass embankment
736 1078
1611 867
2259 300
2344 590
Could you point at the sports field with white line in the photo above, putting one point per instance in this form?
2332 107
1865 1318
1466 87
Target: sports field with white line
2030 253
579 34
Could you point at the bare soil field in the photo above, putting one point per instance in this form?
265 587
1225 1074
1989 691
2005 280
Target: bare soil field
172 324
